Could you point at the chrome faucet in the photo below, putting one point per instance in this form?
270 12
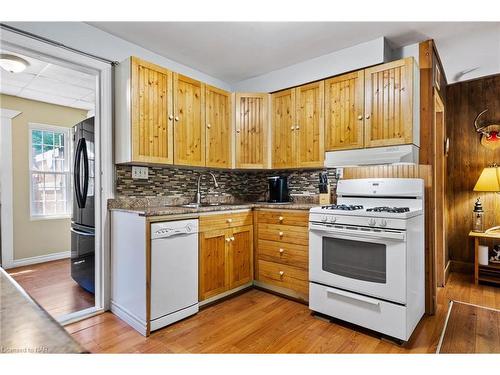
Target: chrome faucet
198 193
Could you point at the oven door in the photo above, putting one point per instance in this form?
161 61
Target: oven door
359 260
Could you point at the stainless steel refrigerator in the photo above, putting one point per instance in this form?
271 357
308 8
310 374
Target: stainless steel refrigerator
82 221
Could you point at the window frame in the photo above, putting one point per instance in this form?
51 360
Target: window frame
67 170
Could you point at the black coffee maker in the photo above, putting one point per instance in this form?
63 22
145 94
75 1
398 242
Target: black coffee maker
278 189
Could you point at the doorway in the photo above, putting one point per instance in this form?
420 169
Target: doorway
67 294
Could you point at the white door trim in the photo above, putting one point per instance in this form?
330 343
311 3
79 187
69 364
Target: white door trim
7 227
104 182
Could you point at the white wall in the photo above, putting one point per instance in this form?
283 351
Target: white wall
345 60
87 38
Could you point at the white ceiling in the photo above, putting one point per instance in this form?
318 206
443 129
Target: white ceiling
49 83
235 51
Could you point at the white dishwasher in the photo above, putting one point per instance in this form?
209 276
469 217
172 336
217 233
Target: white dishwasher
174 271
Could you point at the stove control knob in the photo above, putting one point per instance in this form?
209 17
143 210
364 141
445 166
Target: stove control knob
324 218
371 222
383 223
333 219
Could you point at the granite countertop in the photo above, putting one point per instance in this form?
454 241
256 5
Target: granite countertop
25 327
144 209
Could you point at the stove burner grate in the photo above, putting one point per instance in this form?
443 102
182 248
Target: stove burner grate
394 210
343 207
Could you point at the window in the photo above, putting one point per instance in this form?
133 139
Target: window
49 171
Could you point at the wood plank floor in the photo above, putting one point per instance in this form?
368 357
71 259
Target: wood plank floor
259 322
50 284
471 329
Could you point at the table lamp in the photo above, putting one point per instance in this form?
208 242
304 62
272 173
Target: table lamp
488 181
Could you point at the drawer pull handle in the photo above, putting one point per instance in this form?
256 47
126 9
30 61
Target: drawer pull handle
282 273
229 220
281 251
355 297
280 218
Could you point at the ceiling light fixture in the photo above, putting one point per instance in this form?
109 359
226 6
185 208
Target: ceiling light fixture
12 63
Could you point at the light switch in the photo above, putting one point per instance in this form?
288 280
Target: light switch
140 173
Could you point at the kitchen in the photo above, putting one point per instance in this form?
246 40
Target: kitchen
304 214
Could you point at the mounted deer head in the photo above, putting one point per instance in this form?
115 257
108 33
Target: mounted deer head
490 133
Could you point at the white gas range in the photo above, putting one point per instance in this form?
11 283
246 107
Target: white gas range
366 255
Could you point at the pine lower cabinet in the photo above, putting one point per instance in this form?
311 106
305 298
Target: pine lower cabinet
226 253
282 251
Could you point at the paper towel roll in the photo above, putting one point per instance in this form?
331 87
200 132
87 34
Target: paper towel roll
483 255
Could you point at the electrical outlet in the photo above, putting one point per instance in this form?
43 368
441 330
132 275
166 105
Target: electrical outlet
339 173
140 173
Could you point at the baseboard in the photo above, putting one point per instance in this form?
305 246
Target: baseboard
39 259
129 318
461 267
447 271
225 294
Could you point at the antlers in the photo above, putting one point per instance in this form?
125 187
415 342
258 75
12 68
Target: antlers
480 129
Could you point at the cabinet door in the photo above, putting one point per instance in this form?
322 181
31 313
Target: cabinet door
151 99
189 128
309 129
389 104
213 263
283 129
344 107
251 130
218 127
241 256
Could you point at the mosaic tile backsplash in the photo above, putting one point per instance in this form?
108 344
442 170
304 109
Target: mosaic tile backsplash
234 185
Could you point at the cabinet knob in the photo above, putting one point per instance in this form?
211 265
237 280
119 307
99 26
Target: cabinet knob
367 116
292 128
232 238
360 117
280 218
176 118
238 130
282 251
209 126
297 127
170 117
281 234
229 220
282 273
228 239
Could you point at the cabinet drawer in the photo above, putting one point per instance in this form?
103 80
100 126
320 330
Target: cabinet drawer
289 254
284 233
284 276
284 217
225 220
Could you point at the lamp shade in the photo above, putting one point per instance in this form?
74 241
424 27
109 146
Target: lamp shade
489 180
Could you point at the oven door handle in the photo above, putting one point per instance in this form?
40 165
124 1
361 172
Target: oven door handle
358 233
356 297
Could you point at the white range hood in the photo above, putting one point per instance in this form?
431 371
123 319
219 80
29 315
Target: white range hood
406 154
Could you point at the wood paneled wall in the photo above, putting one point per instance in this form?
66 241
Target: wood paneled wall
411 171
466 160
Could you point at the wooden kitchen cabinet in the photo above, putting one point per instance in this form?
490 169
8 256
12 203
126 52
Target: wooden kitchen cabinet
226 255
344 111
189 121
144 113
251 128
283 129
389 107
218 127
297 129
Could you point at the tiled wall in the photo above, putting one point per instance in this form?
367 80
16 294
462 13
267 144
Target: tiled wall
237 185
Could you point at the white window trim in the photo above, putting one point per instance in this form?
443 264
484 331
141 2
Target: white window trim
67 133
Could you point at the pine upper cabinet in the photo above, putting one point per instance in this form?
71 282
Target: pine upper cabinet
389 103
240 256
283 127
213 263
309 128
251 127
189 121
144 113
344 102
218 127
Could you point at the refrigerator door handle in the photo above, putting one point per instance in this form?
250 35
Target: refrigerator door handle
85 172
76 173
85 234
